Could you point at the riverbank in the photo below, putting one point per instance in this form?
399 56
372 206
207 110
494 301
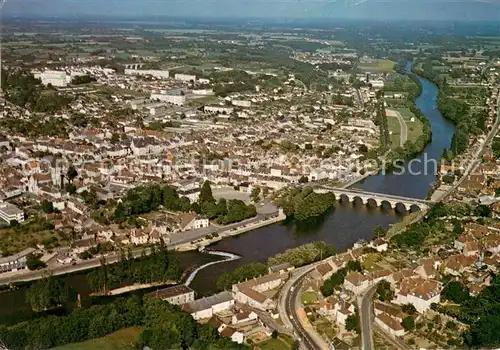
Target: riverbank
235 231
131 288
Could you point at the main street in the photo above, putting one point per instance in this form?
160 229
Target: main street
365 302
288 305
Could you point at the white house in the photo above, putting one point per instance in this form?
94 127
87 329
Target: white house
138 237
185 77
251 292
176 295
425 295
244 316
379 244
192 221
356 282
15 262
236 336
9 212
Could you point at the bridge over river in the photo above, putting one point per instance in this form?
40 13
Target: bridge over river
376 198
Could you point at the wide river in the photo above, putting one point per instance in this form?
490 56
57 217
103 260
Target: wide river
343 227
347 224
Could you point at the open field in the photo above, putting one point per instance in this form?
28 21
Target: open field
394 130
376 65
283 342
124 339
308 298
414 128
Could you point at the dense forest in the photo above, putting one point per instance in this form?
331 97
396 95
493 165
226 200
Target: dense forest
481 312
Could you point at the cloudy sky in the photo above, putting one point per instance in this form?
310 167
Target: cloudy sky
366 9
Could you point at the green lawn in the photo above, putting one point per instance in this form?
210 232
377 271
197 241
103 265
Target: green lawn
394 130
371 260
414 127
308 298
124 339
283 342
326 327
377 65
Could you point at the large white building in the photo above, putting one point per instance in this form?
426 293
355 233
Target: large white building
185 77
157 73
177 99
9 212
55 78
15 262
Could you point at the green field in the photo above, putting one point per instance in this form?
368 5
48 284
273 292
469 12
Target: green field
283 342
376 65
414 128
124 339
308 298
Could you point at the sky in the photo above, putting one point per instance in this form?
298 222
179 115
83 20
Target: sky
300 9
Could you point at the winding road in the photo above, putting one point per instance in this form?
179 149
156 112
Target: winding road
288 306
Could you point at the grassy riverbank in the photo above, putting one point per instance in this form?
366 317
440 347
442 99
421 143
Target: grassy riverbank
124 339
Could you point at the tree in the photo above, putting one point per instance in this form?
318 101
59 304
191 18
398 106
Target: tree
409 309
70 188
408 323
448 179
115 138
483 211
384 291
303 179
354 265
255 194
206 193
274 334
351 323
378 231
455 292
33 262
47 206
71 174
47 293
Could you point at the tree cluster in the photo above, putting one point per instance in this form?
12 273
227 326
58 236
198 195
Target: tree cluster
80 325
303 204
155 267
82 79
165 327
336 280
303 255
48 293
241 273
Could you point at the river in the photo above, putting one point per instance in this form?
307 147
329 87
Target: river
347 224
342 227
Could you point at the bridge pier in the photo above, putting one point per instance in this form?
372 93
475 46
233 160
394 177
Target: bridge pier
378 198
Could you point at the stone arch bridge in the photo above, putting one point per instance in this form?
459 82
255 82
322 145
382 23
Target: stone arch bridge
378 198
